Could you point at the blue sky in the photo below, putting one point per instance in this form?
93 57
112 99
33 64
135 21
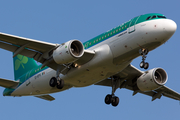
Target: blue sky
58 21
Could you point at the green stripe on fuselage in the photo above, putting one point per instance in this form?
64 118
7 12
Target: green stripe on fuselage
119 29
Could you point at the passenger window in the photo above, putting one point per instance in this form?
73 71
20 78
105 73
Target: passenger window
148 18
153 17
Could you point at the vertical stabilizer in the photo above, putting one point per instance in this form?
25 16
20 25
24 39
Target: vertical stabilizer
22 65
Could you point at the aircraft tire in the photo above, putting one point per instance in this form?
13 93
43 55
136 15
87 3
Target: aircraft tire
107 99
115 101
142 64
146 65
61 84
53 82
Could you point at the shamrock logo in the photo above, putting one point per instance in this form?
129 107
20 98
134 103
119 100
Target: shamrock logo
20 61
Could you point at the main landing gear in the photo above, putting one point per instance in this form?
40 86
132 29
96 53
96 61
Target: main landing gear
59 83
143 53
111 98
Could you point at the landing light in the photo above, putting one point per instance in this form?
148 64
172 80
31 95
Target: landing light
75 65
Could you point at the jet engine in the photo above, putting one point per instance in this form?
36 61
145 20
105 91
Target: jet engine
152 79
68 52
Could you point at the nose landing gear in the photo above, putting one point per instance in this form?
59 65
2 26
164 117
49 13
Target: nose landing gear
143 53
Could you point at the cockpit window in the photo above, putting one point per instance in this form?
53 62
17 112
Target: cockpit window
154 16
161 17
148 18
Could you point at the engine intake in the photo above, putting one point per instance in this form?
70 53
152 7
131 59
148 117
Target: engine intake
152 79
68 52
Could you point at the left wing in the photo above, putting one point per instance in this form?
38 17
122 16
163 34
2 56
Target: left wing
38 50
127 77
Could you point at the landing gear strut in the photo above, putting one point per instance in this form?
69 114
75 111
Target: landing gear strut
143 53
111 98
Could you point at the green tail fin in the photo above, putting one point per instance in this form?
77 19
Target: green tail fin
22 65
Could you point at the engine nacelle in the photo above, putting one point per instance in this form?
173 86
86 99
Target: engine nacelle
68 52
152 79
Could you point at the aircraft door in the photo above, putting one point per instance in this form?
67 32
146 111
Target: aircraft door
132 25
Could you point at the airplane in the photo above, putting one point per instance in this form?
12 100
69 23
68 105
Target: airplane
104 60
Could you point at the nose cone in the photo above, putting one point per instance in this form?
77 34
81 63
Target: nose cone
170 27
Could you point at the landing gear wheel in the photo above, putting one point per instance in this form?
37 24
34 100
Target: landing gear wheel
107 99
142 64
53 82
146 65
115 101
60 84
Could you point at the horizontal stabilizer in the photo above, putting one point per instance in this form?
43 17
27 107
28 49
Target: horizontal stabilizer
8 83
46 97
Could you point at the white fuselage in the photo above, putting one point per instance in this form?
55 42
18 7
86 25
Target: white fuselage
111 57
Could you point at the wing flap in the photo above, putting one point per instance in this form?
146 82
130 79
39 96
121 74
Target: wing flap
8 83
25 52
46 97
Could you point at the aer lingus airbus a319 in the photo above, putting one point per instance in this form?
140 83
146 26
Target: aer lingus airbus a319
104 60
